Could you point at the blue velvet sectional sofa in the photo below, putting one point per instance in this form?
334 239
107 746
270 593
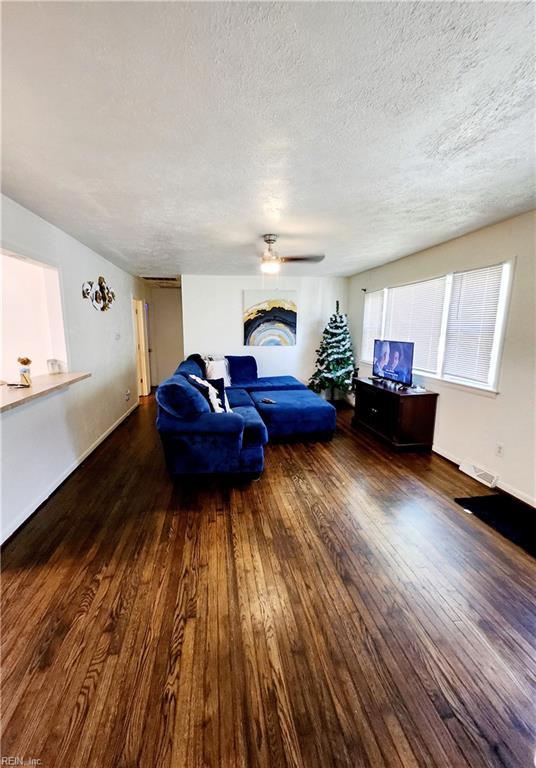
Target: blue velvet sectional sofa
243 370
198 441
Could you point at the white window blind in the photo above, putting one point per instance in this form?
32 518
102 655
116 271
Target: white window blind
372 323
471 324
414 313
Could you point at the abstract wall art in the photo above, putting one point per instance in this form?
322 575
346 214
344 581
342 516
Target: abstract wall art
270 318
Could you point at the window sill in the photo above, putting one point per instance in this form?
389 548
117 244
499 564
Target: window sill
477 389
41 386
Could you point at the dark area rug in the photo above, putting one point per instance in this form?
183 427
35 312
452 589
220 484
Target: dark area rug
510 517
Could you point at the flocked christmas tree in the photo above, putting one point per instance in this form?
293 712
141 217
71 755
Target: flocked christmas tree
335 359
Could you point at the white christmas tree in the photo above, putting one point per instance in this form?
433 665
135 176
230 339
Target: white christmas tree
335 359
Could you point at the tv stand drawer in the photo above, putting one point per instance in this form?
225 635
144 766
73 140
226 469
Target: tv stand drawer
374 411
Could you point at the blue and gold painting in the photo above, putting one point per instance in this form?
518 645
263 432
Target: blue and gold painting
270 318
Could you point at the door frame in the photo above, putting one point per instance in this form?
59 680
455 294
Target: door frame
141 344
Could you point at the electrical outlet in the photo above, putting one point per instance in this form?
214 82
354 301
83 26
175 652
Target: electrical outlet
127 395
499 450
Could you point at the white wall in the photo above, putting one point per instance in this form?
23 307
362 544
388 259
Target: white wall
45 440
212 318
166 332
470 423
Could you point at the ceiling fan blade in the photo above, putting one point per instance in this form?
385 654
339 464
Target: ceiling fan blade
310 257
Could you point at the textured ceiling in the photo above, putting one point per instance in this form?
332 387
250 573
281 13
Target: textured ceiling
169 136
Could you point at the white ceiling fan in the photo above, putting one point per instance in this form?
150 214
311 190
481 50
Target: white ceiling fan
271 261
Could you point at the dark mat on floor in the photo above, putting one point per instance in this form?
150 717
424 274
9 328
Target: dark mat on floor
508 516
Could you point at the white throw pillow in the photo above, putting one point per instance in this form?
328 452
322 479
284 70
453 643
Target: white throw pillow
219 369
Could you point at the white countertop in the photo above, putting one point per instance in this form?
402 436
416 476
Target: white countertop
41 386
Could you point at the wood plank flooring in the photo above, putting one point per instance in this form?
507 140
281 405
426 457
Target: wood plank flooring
342 611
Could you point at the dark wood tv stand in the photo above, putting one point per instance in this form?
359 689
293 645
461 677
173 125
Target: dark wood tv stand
405 419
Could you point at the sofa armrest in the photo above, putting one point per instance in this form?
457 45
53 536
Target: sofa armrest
209 444
206 424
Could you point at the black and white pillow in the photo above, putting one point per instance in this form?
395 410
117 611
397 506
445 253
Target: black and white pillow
219 386
214 395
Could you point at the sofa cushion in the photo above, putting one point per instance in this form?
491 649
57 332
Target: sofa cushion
295 414
200 361
264 383
255 432
219 386
214 395
177 397
218 369
242 368
237 396
190 367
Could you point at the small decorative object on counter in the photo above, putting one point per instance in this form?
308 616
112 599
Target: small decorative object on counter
24 370
55 366
100 293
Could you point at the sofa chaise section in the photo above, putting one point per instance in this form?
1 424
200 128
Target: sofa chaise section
296 415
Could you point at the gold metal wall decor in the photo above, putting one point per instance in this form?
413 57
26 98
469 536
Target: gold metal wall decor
99 293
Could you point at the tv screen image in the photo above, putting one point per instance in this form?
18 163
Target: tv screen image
393 360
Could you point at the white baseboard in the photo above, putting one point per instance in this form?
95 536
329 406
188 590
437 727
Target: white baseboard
30 508
530 500
521 495
445 454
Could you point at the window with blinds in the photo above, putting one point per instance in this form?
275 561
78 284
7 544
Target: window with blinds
414 313
455 321
372 323
472 324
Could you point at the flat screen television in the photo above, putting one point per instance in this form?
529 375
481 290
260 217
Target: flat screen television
393 360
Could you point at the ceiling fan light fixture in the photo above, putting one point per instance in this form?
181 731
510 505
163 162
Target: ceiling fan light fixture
270 266
271 261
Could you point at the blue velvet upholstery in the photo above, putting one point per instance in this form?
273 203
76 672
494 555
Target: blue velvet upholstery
197 441
177 397
296 414
237 397
207 424
242 368
264 383
255 432
252 461
188 367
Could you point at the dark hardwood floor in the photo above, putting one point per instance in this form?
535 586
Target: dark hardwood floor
342 611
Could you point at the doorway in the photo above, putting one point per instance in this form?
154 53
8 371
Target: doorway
166 332
139 310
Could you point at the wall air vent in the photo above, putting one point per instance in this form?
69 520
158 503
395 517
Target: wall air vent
482 475
164 282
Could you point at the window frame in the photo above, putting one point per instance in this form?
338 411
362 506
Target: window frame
382 319
498 335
